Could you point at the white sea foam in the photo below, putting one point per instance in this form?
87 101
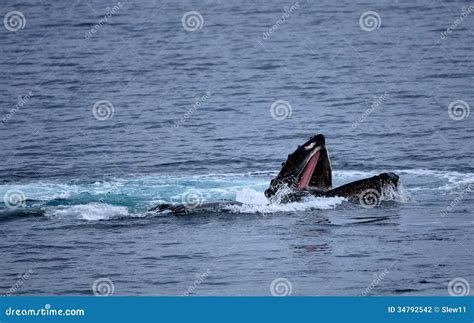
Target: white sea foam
399 194
216 185
90 211
138 192
256 202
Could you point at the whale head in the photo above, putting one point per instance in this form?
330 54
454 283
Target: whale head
308 167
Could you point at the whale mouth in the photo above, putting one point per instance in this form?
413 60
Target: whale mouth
308 169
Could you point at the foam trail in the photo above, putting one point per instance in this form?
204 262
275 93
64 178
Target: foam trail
90 212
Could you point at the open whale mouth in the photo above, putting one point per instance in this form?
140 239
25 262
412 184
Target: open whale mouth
309 168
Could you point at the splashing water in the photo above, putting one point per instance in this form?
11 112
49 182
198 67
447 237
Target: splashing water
132 197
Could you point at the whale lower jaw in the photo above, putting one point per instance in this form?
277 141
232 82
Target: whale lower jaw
351 191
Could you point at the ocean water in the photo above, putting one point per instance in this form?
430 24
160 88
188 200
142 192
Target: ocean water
192 114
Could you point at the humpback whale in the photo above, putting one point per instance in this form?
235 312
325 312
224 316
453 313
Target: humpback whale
306 172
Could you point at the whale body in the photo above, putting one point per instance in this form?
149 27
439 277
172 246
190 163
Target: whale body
306 172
